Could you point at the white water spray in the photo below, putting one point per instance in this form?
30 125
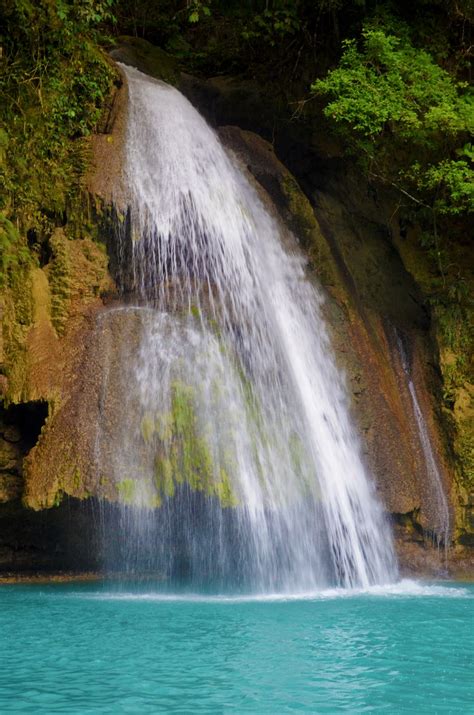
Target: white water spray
272 491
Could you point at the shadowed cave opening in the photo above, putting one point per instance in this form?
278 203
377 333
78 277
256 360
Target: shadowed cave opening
26 420
20 427
63 538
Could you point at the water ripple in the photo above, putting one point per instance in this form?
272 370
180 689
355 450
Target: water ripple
79 649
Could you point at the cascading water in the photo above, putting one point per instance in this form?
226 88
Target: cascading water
442 526
236 462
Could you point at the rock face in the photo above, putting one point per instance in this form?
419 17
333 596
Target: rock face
62 333
45 329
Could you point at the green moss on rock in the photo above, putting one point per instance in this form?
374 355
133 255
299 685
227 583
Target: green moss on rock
147 427
164 475
59 276
183 454
453 330
127 490
302 214
16 312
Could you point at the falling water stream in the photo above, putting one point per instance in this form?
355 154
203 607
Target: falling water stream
441 527
236 460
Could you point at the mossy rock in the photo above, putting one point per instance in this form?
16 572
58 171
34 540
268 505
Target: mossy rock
147 58
59 276
127 491
182 452
452 329
301 212
16 313
11 487
464 439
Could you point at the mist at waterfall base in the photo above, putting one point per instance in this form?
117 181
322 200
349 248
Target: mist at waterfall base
87 649
235 460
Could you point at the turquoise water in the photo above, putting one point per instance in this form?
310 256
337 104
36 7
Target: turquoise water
104 649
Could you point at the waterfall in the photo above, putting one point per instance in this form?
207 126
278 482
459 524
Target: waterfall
236 460
442 527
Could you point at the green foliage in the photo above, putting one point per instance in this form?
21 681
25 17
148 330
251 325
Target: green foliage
273 25
13 252
16 305
58 497
389 84
53 85
197 10
392 101
193 456
83 15
147 427
451 180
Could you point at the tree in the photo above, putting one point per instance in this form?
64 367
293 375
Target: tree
393 102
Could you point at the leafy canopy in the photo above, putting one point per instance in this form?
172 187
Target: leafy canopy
53 85
393 101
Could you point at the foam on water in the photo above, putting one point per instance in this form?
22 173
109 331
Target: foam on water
405 588
235 333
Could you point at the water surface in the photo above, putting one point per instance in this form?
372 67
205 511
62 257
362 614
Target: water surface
121 649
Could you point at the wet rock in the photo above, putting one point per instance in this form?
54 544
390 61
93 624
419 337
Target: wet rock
9 456
147 58
11 434
11 487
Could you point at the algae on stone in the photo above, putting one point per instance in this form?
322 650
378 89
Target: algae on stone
16 312
147 427
183 454
453 330
127 490
300 209
59 276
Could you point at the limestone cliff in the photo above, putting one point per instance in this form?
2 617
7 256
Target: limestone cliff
60 332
